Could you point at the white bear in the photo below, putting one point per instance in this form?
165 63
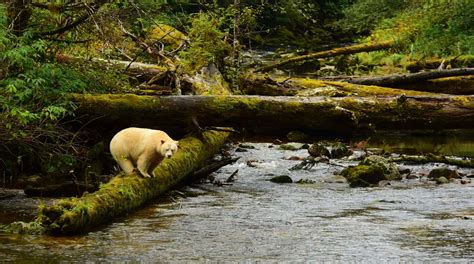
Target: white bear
141 147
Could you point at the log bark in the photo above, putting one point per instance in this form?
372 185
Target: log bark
257 85
330 53
127 192
456 62
139 70
398 79
319 114
460 85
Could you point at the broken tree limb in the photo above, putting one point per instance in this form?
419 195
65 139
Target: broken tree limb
330 53
397 79
127 192
339 115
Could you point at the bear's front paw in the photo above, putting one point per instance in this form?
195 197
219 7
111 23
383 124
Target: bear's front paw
144 175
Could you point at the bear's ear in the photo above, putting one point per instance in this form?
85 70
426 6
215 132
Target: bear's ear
162 141
177 143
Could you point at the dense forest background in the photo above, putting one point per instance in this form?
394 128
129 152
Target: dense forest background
46 51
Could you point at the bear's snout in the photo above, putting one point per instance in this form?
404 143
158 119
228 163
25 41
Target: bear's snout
168 156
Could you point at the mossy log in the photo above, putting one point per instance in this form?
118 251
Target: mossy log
139 70
322 114
461 85
330 53
396 79
279 86
455 62
124 192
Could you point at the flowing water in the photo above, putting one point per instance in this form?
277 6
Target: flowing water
255 220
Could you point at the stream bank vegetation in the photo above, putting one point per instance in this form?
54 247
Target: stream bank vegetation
73 74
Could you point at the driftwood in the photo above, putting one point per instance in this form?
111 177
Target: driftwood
330 53
320 114
397 79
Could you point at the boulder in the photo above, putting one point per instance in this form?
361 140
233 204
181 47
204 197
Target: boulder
443 172
281 179
318 150
371 171
339 150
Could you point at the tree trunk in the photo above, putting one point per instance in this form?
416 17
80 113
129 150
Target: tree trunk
320 114
330 53
125 193
399 79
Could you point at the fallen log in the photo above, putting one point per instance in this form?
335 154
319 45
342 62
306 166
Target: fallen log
460 85
469 163
397 79
330 53
456 62
256 85
124 192
337 115
139 70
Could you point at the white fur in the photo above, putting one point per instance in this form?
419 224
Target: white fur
141 147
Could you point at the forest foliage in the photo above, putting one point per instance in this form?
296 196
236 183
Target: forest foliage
36 111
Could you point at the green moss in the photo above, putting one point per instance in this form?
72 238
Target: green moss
370 171
363 175
464 101
32 228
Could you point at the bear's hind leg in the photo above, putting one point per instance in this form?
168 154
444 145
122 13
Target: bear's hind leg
143 165
126 165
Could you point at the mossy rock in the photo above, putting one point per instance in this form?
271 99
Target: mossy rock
281 179
371 171
390 169
290 146
443 172
339 150
363 175
318 150
442 180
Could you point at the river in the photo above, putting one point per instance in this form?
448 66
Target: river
255 220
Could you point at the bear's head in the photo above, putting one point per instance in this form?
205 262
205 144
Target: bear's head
168 148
